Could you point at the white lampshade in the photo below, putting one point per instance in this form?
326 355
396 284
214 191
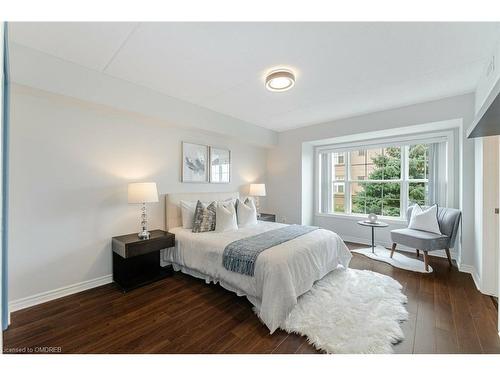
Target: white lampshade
257 190
142 192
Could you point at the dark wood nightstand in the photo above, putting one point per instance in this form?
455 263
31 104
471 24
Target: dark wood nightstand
136 262
267 217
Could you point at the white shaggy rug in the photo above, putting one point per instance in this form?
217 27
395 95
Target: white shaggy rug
398 260
351 311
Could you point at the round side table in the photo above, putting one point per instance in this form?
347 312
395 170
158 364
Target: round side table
377 224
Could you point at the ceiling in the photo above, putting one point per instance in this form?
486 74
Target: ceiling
342 69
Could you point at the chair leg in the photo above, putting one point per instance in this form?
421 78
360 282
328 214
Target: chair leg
449 256
418 253
393 248
426 260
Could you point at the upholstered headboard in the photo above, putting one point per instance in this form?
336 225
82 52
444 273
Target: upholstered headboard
173 216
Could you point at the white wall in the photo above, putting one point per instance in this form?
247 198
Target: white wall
478 209
284 163
71 162
487 222
489 274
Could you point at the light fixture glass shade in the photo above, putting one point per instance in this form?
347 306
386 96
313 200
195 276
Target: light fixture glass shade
142 192
257 190
280 80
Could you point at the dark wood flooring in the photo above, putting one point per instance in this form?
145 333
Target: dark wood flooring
182 314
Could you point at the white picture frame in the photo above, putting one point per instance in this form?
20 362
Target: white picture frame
195 159
220 165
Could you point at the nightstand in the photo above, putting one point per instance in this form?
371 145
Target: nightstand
136 262
267 217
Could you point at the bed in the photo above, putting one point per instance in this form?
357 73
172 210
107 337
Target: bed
282 273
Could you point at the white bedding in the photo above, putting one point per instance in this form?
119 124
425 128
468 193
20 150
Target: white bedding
282 273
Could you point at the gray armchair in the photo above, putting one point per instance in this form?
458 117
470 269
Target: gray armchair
448 219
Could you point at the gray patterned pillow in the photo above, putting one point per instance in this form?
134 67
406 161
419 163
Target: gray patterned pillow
204 217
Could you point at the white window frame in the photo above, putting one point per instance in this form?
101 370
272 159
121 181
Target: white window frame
404 142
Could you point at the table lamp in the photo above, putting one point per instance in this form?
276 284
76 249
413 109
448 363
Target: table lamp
143 192
256 191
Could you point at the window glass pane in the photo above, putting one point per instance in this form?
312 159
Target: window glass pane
366 198
418 162
418 193
357 198
391 163
376 164
362 164
338 197
338 166
391 196
381 198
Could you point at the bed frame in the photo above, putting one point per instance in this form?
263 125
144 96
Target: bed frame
173 216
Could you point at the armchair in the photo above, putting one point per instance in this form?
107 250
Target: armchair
448 220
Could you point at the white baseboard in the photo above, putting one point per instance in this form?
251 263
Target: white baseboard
36 299
364 241
475 276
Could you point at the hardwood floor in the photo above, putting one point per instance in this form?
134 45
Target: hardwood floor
182 314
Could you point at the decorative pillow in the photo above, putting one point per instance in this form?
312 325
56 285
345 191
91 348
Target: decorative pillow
425 220
188 208
225 217
246 213
204 217
187 211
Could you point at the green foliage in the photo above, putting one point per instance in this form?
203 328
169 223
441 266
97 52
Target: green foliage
384 198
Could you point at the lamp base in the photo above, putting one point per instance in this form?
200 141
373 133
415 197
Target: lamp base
144 235
257 205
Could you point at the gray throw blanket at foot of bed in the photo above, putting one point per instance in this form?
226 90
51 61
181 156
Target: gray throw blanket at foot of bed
240 256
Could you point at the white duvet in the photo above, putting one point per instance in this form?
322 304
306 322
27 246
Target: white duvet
282 273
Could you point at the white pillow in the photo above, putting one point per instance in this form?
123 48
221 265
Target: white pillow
246 213
225 202
425 219
225 217
187 212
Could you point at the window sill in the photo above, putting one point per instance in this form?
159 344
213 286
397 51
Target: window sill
358 217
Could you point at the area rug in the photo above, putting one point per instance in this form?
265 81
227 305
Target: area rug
351 311
398 260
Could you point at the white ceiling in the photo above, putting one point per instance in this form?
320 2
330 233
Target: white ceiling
343 69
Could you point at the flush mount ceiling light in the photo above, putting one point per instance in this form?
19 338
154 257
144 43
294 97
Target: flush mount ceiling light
280 80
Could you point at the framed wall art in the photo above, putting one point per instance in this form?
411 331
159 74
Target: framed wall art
220 165
195 162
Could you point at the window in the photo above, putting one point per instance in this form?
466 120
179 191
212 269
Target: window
381 180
